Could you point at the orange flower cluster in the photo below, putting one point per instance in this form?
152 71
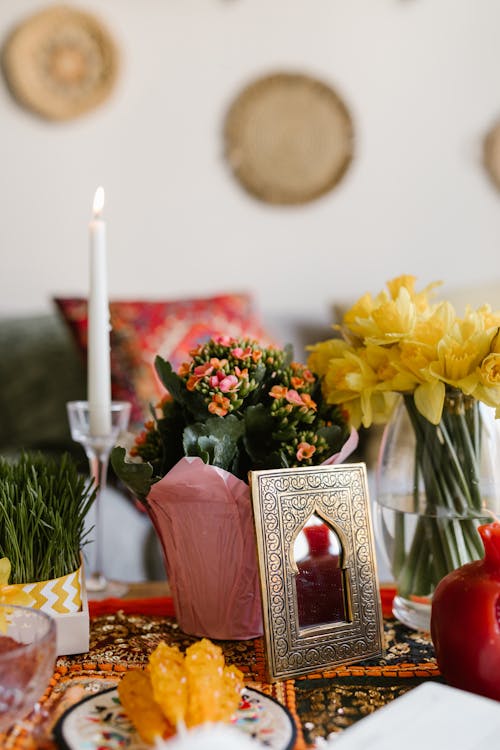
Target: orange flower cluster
275 412
224 381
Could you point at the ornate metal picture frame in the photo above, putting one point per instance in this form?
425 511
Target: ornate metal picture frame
321 606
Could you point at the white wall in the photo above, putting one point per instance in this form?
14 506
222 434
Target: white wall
421 78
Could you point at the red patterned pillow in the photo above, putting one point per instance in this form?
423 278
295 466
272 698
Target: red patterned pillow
142 329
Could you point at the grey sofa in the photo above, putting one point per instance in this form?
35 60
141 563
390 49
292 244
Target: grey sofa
40 370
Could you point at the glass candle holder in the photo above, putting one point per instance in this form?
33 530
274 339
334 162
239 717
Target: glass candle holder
98 449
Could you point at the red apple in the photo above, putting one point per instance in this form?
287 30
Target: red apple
465 621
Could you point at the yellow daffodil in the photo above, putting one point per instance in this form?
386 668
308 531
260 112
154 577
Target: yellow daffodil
420 350
462 350
10 594
353 320
443 366
391 315
351 380
371 408
348 376
491 318
385 321
398 342
362 379
394 319
484 383
391 373
406 281
489 375
322 353
490 370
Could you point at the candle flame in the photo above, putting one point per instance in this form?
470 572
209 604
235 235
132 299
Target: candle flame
98 200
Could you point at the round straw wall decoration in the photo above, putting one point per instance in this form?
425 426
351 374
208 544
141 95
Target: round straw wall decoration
288 138
60 63
491 154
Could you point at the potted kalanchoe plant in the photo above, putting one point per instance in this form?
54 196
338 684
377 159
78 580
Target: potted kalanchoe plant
235 406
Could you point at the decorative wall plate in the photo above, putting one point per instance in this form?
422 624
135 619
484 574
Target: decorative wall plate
288 138
491 154
60 63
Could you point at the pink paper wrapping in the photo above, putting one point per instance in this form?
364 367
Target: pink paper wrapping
349 446
203 518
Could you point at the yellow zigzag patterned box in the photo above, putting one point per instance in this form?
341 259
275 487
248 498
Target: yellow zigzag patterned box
65 599
58 596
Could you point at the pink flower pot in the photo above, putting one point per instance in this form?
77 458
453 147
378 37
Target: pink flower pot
203 518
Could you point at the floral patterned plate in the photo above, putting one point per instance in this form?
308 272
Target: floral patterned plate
100 723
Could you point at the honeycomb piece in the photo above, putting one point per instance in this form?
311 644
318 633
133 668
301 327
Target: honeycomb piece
231 692
136 696
169 682
213 689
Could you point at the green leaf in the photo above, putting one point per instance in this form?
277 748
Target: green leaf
258 439
258 420
230 426
334 436
166 375
137 476
171 428
288 359
216 442
259 376
274 460
285 434
192 401
200 446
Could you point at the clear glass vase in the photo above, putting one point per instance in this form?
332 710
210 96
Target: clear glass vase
435 484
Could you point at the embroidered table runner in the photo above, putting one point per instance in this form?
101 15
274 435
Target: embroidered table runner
123 634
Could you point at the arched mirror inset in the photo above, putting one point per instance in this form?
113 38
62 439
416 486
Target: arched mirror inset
320 579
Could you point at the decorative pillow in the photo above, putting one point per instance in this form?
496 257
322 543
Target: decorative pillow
142 329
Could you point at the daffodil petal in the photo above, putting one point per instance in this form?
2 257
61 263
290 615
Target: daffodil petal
15 595
429 400
12 595
5 569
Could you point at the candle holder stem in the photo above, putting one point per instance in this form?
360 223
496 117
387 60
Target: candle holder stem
98 463
97 449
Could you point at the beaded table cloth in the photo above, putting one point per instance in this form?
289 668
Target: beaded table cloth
123 634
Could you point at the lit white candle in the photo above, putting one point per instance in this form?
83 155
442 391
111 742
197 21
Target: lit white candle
98 370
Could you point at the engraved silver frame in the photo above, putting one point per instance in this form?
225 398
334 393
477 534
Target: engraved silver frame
283 500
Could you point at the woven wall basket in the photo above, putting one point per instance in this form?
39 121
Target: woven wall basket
288 138
491 154
60 63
